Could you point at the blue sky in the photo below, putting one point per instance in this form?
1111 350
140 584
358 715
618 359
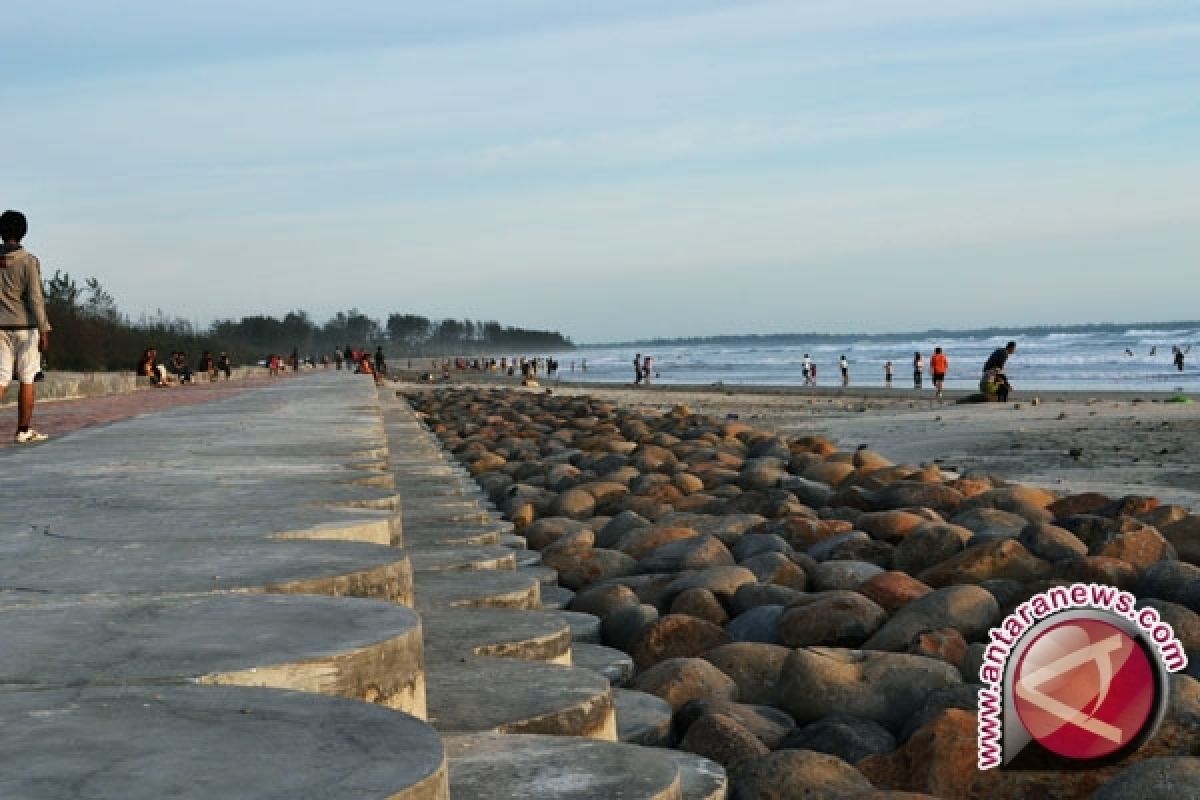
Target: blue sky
618 169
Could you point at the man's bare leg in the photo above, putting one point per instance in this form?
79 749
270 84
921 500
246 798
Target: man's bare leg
25 398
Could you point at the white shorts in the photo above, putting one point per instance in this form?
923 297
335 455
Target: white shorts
19 348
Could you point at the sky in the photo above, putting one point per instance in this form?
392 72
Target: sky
615 170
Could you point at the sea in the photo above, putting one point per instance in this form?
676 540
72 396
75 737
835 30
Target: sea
1098 358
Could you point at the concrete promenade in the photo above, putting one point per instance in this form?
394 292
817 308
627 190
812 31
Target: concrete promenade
291 592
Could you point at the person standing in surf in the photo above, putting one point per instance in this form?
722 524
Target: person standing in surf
940 365
918 369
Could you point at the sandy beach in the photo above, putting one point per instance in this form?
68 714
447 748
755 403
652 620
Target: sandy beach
1117 443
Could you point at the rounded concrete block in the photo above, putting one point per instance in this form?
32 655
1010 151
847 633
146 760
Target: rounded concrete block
511 696
197 743
362 649
615 665
492 767
700 778
483 589
451 635
642 718
64 566
461 559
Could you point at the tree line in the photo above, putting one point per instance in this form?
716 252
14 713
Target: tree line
92 334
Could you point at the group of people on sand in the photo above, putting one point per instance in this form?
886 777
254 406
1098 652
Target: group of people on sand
993 384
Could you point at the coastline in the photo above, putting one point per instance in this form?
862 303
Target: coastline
1115 442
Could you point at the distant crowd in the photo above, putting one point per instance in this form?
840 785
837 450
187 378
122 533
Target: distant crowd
993 383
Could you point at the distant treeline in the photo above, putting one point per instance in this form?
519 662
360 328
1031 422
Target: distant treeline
91 333
932 333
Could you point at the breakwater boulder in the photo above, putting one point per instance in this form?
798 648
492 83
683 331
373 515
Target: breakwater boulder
849 594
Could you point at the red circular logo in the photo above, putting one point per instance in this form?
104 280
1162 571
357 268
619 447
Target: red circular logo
1084 689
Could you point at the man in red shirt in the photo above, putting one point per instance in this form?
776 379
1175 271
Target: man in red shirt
939 364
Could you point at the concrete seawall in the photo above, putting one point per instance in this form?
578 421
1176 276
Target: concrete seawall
70 385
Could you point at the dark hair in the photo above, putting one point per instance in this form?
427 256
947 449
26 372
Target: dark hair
937 349
1011 346
13 226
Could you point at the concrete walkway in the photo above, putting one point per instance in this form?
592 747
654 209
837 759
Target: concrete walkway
158 572
218 601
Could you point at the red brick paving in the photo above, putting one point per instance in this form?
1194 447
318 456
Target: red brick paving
58 417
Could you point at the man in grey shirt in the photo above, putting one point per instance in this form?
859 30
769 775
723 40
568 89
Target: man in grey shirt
24 329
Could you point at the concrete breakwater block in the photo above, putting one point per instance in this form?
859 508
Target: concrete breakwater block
642 718
461 559
452 533
493 767
483 589
556 597
47 564
199 743
167 523
699 778
504 695
362 649
615 665
451 636
585 628
425 510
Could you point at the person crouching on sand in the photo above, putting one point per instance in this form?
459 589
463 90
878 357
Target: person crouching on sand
994 384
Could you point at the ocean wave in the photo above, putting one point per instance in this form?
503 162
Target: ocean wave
1161 332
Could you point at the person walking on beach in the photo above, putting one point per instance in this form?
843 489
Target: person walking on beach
807 370
1179 359
887 374
24 328
994 381
940 365
845 367
647 366
637 369
918 369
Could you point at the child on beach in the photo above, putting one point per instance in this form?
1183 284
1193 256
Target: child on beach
887 374
939 364
845 367
647 366
918 368
637 369
807 370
